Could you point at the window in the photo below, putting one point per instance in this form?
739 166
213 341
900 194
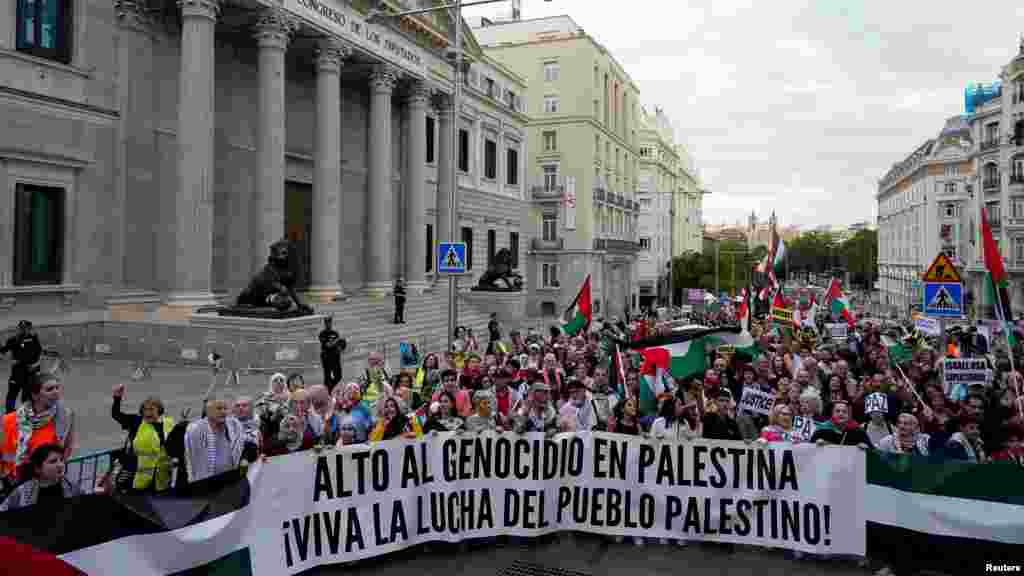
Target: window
38 235
513 247
951 188
492 245
645 203
645 243
490 159
551 104
511 100
464 151
550 177
467 239
1017 208
489 87
549 228
430 248
550 138
44 29
551 71
512 167
1017 170
994 214
953 170
430 140
549 275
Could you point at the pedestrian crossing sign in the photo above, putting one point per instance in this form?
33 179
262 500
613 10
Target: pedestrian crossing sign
943 299
451 257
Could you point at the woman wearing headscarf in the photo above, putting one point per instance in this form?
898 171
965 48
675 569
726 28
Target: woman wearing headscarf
351 408
45 484
42 419
312 424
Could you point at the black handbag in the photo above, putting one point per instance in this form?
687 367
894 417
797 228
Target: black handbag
124 463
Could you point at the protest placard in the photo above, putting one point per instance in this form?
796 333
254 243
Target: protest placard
837 330
757 401
782 315
966 372
876 402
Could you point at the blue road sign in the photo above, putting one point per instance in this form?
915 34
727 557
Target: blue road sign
944 299
451 257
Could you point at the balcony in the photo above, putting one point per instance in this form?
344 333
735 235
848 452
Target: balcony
540 244
544 193
989 145
1016 179
617 199
600 194
616 245
991 184
1015 221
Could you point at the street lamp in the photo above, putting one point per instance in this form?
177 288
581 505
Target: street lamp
457 63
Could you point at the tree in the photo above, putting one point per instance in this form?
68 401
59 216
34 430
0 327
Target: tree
814 252
693 270
860 257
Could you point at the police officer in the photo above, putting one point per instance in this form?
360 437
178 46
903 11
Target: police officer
331 347
26 351
399 301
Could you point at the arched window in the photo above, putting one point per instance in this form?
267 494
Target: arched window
990 176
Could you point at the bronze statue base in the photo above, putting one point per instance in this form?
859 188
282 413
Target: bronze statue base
494 289
262 312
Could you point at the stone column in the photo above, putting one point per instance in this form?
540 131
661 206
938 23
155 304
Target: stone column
273 31
415 179
325 245
192 256
379 233
445 157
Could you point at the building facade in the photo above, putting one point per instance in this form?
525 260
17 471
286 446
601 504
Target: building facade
924 207
671 202
153 152
997 131
583 163
931 202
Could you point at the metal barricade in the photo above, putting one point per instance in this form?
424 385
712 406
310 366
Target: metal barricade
85 471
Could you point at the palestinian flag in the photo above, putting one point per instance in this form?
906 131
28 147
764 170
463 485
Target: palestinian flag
838 303
898 352
973 513
578 315
616 371
682 356
183 534
997 284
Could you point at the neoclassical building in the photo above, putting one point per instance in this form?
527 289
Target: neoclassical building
152 151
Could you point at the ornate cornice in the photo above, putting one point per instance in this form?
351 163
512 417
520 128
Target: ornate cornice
383 78
132 13
200 8
442 103
331 53
274 27
418 93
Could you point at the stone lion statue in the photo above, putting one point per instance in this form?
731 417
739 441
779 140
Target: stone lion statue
273 287
499 275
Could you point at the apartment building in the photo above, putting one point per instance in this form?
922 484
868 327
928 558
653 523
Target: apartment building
583 161
670 205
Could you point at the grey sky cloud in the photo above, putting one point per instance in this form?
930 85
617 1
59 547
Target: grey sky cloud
799 106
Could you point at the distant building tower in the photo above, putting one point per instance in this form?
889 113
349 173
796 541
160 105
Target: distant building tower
751 229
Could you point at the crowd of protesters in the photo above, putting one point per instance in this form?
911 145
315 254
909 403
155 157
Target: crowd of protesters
848 392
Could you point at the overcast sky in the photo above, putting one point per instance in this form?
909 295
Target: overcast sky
799 106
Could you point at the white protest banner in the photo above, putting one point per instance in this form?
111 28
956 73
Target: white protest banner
756 401
311 508
876 402
966 371
927 326
837 331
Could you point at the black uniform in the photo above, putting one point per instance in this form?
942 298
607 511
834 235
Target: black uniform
26 350
400 304
494 335
331 347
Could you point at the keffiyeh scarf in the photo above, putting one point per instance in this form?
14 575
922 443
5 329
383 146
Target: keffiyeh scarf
28 422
